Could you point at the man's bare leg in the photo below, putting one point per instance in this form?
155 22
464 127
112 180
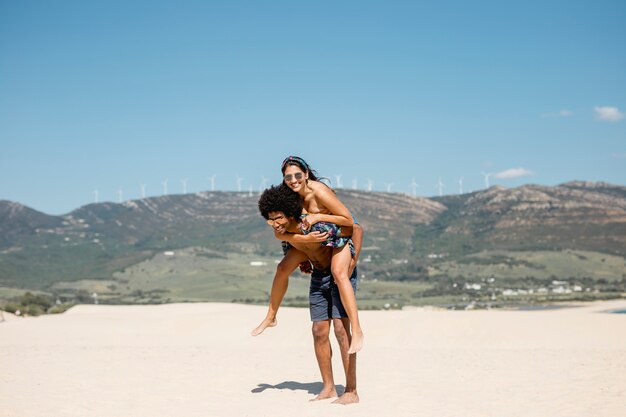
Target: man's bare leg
323 353
279 287
342 333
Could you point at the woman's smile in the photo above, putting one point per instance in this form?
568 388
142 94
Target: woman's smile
294 177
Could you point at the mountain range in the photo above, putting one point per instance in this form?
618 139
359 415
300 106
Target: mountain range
575 230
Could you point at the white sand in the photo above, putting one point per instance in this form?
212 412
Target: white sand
198 360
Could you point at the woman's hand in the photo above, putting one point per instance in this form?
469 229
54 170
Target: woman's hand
310 220
314 237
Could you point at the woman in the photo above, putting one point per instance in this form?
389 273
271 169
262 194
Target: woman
320 204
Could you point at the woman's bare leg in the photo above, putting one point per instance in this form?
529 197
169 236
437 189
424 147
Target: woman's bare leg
339 268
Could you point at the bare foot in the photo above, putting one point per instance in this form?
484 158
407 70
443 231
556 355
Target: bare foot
347 398
264 324
325 394
357 342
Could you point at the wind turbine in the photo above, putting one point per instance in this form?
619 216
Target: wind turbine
487 175
96 194
414 186
120 195
370 184
461 185
250 190
338 177
239 179
354 184
440 186
184 183
143 190
212 179
388 185
263 184
164 186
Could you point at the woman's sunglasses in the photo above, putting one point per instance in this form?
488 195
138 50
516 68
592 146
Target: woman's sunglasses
298 176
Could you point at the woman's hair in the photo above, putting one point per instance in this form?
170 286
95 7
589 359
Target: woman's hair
300 163
280 198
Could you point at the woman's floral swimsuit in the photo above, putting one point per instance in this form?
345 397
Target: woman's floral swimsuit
334 239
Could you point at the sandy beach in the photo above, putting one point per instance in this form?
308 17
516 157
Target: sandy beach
200 360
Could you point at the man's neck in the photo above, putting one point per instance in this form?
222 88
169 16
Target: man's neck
293 227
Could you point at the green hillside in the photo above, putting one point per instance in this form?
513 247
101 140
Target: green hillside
533 243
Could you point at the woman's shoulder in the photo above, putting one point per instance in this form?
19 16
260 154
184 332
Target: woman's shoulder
319 187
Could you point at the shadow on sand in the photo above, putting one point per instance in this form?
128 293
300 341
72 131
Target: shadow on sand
310 387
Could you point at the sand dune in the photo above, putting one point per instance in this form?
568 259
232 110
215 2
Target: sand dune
183 360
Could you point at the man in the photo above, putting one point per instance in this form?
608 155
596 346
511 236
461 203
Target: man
282 208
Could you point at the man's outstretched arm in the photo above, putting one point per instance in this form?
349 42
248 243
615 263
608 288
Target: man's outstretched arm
279 287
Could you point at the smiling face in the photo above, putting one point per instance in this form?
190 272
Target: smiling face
281 207
294 177
278 221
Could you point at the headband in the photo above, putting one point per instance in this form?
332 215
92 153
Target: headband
295 159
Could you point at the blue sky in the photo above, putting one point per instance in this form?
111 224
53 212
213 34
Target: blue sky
109 95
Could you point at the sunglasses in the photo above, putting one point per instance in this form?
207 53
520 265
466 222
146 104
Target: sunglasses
275 220
298 176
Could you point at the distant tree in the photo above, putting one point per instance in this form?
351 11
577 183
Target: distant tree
83 297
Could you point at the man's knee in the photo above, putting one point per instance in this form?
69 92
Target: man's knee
283 268
341 329
321 329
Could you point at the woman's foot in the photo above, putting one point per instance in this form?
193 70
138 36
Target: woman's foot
264 324
357 342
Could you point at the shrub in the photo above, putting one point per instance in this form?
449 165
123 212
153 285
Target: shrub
61 308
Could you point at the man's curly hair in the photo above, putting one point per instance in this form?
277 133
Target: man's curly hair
280 198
